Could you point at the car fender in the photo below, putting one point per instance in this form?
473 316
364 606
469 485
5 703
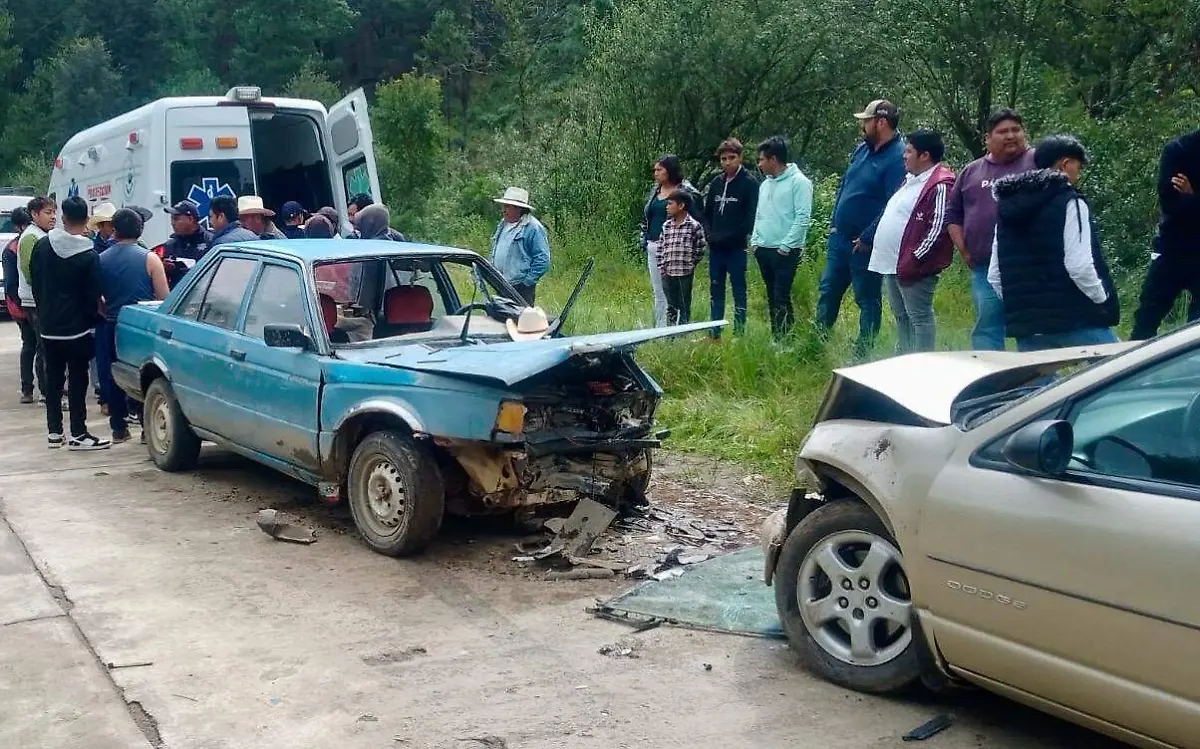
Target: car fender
156 362
334 450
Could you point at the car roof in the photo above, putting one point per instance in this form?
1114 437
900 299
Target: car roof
326 250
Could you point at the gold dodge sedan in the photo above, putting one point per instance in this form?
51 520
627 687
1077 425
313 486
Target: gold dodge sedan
1026 522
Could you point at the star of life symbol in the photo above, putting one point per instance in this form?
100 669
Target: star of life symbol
202 194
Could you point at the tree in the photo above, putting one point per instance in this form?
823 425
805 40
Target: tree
410 139
310 82
273 45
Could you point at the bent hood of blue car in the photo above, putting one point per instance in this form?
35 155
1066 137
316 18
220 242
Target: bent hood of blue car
509 362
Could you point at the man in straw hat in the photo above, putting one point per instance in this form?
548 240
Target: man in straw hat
257 217
520 249
101 225
223 218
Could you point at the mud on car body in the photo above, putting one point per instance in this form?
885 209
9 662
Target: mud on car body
385 373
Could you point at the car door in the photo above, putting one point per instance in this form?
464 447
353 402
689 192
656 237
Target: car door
1078 588
276 389
196 338
351 144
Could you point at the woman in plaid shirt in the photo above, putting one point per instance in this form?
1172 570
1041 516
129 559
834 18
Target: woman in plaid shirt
680 250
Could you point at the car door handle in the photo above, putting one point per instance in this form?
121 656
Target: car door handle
164 333
236 354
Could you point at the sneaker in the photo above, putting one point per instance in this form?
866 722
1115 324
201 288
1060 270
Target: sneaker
26 397
121 436
86 442
54 441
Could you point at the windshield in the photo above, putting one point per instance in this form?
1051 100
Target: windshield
424 299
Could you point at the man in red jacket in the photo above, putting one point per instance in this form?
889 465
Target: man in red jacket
912 244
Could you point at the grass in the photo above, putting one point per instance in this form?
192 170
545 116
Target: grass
742 399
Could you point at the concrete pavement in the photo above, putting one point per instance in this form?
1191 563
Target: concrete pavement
139 608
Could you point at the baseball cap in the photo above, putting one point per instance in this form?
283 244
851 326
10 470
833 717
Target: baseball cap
291 209
183 208
877 108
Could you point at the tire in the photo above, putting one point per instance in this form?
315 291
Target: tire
847 537
384 465
172 444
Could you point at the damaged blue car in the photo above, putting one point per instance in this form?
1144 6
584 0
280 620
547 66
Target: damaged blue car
401 378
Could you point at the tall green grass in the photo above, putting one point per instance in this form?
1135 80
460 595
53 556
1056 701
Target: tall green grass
742 399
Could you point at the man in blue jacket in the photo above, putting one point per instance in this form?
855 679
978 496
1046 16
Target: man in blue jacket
520 250
876 170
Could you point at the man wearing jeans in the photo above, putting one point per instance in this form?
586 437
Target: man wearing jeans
64 273
876 170
729 207
972 218
911 243
781 222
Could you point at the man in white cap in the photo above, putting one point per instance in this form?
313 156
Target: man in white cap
520 249
257 217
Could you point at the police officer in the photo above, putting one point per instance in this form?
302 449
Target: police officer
189 241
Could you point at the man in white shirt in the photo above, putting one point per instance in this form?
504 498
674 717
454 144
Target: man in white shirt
912 244
1046 264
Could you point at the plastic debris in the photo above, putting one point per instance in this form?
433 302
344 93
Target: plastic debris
928 728
274 526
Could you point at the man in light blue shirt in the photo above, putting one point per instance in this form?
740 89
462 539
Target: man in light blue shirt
781 223
520 249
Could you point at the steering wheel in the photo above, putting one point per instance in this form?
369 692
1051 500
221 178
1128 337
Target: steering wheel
477 305
1191 427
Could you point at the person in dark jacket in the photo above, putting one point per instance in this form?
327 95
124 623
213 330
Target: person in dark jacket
912 243
65 278
373 224
223 218
875 171
188 243
729 206
1175 257
31 360
1047 266
668 177
292 216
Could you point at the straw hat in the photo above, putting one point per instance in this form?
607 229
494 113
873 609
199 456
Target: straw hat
249 205
101 214
531 325
517 196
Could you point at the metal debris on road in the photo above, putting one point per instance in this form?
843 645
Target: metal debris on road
140 664
272 523
929 728
668 574
623 648
708 667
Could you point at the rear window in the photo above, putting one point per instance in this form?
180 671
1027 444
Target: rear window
201 181
6 224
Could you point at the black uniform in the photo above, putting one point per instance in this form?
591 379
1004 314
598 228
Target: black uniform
189 247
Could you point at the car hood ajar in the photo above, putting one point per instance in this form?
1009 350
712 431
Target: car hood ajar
510 362
928 385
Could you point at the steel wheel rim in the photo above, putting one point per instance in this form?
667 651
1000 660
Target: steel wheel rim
159 427
854 600
385 496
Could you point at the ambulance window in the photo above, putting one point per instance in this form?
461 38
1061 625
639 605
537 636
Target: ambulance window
200 181
357 178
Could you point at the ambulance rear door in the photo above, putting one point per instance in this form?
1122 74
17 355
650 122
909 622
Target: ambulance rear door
351 147
209 154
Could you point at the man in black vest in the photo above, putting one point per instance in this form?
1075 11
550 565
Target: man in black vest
1046 264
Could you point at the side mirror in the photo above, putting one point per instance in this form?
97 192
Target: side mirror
1043 447
286 336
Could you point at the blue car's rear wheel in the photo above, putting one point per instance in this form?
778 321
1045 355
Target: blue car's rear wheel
172 444
396 493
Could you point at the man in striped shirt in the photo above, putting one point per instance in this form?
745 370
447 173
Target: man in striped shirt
912 245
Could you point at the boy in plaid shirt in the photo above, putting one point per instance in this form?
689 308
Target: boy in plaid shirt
680 250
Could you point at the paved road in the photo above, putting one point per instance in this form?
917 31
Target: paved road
139 608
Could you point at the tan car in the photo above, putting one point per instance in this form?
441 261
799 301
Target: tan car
966 522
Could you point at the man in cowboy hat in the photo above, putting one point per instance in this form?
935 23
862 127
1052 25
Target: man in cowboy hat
520 249
257 217
101 224
223 218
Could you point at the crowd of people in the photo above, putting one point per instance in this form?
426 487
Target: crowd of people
1015 216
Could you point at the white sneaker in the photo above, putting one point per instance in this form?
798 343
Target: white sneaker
54 441
86 442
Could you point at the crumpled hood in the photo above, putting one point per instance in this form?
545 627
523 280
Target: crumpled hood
929 385
1019 197
510 362
68 245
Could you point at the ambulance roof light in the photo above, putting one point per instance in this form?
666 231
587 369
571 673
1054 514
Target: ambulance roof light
244 93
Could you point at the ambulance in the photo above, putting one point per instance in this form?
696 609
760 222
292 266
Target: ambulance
200 147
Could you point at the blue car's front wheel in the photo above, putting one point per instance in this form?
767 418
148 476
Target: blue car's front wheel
396 493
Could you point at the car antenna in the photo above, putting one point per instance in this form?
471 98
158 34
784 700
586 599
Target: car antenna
562 316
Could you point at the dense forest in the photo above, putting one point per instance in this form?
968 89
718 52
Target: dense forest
574 98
